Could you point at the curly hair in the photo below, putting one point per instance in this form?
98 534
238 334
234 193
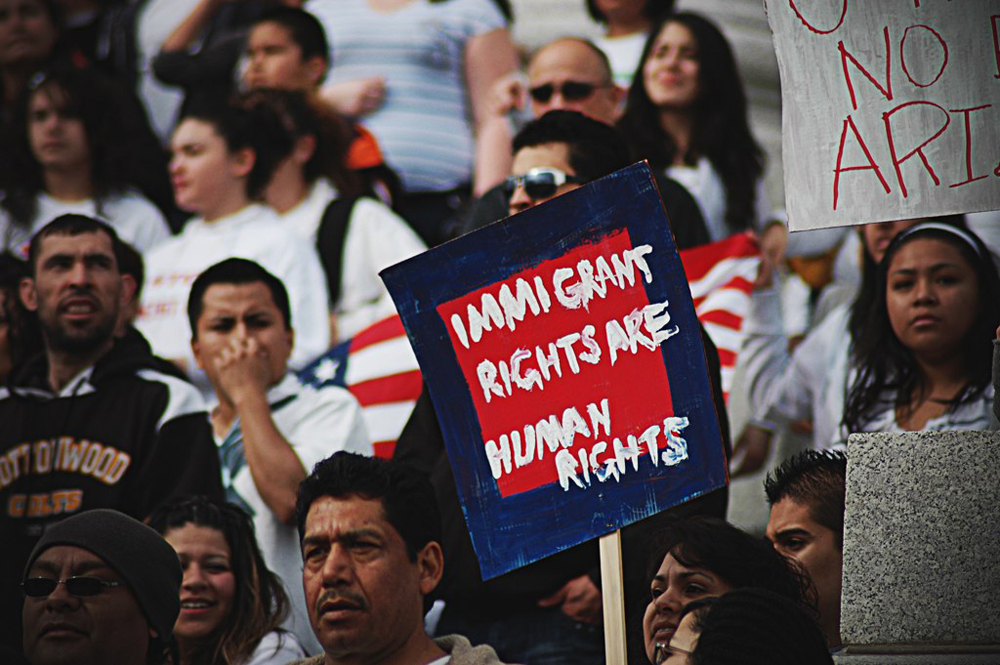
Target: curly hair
124 152
885 366
721 131
260 603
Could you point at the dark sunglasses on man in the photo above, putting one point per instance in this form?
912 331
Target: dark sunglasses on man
42 587
539 183
571 91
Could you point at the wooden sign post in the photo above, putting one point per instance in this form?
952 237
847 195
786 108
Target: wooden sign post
613 593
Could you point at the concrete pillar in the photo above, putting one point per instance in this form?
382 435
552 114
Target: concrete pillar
922 549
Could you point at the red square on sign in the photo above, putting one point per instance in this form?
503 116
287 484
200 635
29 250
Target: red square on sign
539 358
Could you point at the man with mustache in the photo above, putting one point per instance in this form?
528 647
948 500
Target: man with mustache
100 588
370 532
88 423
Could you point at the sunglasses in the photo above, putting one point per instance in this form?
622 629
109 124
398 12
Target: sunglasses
538 183
41 587
571 91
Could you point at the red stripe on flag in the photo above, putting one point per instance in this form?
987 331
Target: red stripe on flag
384 449
727 358
700 260
401 387
378 332
723 318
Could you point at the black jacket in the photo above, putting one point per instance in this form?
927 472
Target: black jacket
122 435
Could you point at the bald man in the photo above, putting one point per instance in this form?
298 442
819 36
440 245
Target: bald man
571 74
567 74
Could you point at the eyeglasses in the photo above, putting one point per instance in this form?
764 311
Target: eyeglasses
41 587
539 183
571 91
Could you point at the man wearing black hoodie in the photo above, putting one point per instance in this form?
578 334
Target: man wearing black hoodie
88 423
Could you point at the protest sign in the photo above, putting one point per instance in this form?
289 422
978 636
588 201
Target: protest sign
890 110
565 363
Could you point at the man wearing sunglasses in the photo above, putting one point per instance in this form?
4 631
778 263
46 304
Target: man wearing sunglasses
100 588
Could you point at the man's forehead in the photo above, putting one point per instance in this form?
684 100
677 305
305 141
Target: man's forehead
329 515
88 242
566 59
227 295
789 513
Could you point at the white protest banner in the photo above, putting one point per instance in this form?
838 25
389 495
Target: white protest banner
891 108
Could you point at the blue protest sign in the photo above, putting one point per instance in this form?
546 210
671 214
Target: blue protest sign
562 352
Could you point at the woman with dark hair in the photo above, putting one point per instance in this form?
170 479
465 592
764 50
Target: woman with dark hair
686 112
232 606
322 201
704 556
923 359
811 382
80 144
627 26
224 155
747 627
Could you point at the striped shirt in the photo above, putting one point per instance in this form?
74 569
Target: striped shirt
424 125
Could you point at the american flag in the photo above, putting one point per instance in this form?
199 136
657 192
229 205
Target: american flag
721 277
379 368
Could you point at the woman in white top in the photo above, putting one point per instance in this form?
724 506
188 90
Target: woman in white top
686 112
810 383
231 604
322 201
923 359
81 145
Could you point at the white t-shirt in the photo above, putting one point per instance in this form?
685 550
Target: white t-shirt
253 233
376 238
317 423
624 54
707 188
276 648
136 221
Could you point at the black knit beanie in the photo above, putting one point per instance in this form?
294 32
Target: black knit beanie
750 626
147 562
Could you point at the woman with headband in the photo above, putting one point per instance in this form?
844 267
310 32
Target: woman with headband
923 360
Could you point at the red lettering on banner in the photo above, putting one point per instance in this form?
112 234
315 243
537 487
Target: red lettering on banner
902 54
919 150
968 144
872 166
811 27
537 442
996 43
845 56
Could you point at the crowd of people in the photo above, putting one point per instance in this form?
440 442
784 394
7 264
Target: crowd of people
172 492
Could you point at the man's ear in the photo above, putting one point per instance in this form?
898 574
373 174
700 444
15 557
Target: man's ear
128 291
430 561
243 161
28 296
316 67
